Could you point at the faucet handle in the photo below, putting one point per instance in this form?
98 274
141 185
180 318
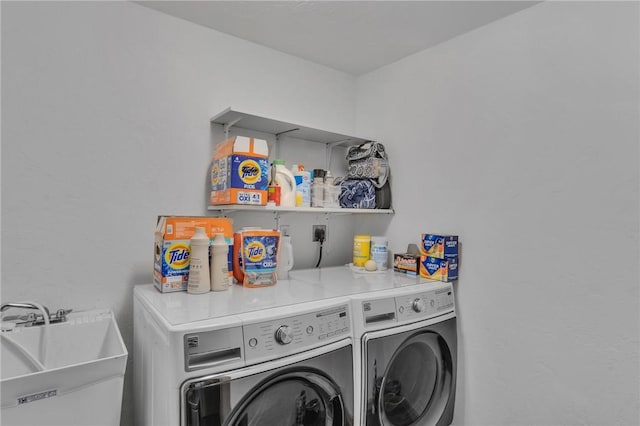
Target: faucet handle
33 318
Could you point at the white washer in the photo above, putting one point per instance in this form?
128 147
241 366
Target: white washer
223 358
406 353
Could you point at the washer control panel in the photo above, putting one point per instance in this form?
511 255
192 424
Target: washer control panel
285 336
419 306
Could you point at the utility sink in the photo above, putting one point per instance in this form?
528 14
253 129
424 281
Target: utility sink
63 374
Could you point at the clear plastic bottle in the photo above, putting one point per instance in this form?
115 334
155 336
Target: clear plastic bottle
199 263
317 188
219 268
331 191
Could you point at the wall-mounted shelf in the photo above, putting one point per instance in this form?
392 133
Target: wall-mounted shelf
232 118
278 209
229 118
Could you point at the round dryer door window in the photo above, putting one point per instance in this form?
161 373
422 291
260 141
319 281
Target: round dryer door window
416 385
296 398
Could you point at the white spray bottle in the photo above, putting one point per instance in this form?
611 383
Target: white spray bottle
285 255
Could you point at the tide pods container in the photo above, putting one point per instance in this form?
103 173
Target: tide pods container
172 248
240 172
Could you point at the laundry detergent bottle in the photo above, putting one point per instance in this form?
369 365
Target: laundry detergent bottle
287 183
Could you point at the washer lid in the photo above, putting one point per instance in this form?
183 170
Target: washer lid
182 308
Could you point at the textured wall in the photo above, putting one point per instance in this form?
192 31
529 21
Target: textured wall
105 124
522 137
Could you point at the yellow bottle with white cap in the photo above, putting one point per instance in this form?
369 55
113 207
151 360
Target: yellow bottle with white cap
361 250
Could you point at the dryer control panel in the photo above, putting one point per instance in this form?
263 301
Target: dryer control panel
271 339
424 305
407 308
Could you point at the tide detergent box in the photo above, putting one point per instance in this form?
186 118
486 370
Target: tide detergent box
439 246
172 248
240 172
439 269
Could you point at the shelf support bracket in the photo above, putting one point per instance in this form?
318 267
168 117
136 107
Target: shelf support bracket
228 126
329 149
276 218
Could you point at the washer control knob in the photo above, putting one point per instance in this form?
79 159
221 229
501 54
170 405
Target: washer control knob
284 335
417 305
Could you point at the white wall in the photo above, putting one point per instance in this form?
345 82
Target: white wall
106 109
522 137
529 127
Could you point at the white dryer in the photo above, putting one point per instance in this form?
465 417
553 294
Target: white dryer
404 329
224 359
406 355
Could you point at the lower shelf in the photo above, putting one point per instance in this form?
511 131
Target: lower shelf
279 209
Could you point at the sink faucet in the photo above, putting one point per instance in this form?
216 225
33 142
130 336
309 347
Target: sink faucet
32 319
24 305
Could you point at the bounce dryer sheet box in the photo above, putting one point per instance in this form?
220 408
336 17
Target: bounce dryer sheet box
439 269
172 248
406 262
439 246
240 172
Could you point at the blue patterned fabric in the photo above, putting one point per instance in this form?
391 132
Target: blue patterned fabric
357 194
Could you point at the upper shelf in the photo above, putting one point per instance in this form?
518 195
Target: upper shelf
230 117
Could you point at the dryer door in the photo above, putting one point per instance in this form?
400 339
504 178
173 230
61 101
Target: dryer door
297 397
410 379
295 394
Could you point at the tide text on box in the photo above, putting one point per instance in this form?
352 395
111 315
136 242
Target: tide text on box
172 249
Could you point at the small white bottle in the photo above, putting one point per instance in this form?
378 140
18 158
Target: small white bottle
379 252
219 266
199 263
330 194
317 188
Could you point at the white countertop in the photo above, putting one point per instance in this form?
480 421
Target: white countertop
303 286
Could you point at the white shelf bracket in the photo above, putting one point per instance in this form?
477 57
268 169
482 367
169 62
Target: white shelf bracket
276 218
228 126
329 149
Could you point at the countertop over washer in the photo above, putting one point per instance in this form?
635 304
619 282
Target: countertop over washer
304 286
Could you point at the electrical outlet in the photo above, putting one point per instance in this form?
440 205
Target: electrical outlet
318 230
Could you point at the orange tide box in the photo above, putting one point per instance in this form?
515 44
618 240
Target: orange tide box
172 248
240 172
